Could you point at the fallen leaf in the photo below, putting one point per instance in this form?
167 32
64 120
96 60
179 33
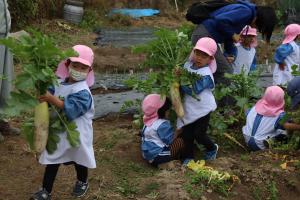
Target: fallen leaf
283 165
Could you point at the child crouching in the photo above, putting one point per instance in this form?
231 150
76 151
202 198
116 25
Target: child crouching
158 143
263 120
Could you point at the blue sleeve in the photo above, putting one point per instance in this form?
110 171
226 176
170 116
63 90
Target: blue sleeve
51 89
282 52
253 65
227 21
204 83
230 49
277 124
77 104
166 133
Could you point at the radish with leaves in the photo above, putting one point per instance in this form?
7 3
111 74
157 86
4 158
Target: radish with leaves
38 57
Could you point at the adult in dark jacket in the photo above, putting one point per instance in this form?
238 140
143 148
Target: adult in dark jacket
226 23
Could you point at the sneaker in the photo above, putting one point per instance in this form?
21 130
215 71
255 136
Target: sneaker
211 155
80 189
41 195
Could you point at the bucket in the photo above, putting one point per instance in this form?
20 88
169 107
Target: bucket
73 11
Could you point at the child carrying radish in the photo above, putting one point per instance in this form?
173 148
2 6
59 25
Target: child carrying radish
158 140
245 51
73 96
287 55
197 107
263 120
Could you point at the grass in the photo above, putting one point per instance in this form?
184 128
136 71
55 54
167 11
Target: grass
203 181
273 191
126 188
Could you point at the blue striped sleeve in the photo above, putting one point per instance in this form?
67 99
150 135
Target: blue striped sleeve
204 83
77 104
282 52
166 133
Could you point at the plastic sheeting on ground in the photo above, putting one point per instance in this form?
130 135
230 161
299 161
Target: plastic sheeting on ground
135 13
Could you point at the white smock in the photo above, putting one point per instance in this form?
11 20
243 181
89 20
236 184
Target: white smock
196 108
83 154
244 59
281 77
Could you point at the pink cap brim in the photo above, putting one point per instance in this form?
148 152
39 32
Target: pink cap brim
204 50
289 39
63 72
80 60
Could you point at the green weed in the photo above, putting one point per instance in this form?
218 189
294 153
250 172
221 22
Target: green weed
126 188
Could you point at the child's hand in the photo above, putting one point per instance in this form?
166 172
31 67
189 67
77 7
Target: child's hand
51 99
47 97
281 66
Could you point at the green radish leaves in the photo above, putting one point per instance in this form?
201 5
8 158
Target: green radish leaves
38 56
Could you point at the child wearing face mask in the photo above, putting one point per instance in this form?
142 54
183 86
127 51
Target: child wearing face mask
77 102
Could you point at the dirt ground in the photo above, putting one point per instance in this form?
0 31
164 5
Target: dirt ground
121 172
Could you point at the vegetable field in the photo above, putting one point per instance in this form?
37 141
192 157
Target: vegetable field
121 173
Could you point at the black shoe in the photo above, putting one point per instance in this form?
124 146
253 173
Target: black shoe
80 189
41 195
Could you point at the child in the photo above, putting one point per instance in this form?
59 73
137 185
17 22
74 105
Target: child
197 110
245 51
158 143
79 107
263 120
286 55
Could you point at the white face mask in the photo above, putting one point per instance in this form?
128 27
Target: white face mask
76 75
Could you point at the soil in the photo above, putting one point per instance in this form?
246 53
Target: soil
121 172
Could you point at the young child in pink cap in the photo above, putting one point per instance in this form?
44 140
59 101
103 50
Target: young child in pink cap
245 51
263 120
76 76
287 55
158 142
197 110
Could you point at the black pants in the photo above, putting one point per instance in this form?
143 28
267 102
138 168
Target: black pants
197 131
51 171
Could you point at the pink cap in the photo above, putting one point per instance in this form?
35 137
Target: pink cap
290 33
209 46
151 104
86 57
272 103
248 30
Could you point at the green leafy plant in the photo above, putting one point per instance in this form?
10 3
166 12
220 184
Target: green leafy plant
38 57
166 55
242 92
